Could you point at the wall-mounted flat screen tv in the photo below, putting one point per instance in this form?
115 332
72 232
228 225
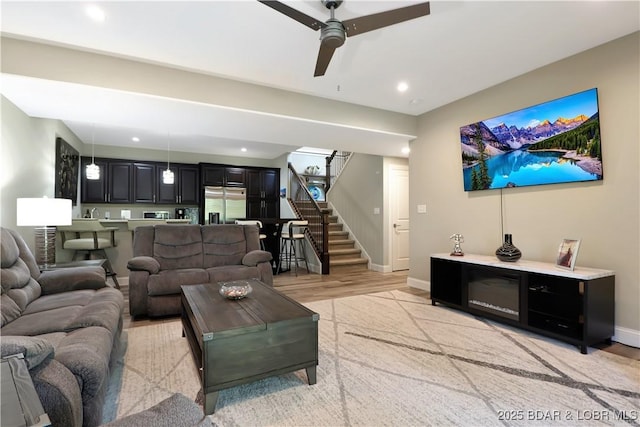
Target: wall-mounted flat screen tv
554 142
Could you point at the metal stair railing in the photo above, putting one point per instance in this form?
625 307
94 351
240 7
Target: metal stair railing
333 166
307 208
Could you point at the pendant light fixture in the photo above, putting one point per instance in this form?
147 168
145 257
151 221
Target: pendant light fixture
93 170
167 175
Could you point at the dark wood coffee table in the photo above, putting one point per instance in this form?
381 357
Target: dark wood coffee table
241 341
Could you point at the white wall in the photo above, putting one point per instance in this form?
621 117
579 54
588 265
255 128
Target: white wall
27 161
604 214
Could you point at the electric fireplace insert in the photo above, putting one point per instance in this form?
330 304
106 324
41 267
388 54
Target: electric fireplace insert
495 292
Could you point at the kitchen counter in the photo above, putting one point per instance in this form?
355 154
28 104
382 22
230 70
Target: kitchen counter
145 221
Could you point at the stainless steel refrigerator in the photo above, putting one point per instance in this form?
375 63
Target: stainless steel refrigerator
223 205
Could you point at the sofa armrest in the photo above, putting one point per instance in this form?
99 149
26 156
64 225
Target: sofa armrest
59 393
35 350
71 279
138 292
253 258
144 263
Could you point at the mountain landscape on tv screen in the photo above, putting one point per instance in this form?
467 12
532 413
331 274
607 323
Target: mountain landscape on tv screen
566 149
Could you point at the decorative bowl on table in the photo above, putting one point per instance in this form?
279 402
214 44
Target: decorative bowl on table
237 289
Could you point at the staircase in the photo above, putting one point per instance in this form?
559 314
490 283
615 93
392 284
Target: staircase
343 255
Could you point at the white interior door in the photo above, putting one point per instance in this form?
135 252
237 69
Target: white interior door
399 199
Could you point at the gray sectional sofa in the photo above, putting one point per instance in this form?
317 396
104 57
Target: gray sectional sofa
67 324
166 257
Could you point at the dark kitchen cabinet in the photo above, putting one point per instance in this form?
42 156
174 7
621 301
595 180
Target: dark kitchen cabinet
120 182
114 186
189 184
212 175
234 177
261 208
93 191
222 175
185 189
263 193
263 183
144 182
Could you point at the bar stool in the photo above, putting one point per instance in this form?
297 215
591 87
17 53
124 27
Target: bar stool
293 233
254 222
89 241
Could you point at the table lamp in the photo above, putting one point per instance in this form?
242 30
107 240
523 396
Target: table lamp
44 214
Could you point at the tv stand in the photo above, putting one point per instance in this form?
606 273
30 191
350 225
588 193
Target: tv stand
572 306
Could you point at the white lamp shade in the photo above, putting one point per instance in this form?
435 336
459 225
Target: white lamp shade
167 177
43 211
93 171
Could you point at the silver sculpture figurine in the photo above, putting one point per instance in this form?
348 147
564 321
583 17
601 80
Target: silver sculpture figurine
457 250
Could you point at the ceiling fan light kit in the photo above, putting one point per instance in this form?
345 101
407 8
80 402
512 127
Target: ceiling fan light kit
334 32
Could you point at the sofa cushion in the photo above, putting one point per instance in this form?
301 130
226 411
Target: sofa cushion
51 313
227 273
10 310
25 294
104 310
178 246
71 279
15 276
35 350
10 252
42 322
168 282
65 299
224 244
15 252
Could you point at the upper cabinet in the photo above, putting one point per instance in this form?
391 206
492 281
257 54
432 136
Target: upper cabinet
185 189
126 181
234 177
114 186
263 183
144 182
214 175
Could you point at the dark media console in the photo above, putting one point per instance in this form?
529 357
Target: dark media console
573 306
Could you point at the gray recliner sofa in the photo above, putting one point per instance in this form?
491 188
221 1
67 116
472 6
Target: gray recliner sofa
166 257
67 324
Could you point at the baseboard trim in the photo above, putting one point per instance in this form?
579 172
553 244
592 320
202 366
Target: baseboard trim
627 336
380 268
420 284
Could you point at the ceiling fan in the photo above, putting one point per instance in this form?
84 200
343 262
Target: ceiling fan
334 32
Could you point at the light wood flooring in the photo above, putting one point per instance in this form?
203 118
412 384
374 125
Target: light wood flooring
347 282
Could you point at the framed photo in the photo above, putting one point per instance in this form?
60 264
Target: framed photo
567 253
67 167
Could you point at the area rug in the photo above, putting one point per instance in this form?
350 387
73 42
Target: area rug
391 359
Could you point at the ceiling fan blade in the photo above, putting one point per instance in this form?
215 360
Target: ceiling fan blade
292 13
360 25
324 57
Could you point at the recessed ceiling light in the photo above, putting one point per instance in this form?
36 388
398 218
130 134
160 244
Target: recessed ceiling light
405 150
135 139
403 86
95 13
244 150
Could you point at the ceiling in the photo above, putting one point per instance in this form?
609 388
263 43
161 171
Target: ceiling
459 49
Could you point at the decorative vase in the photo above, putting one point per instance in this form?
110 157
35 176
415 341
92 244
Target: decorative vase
508 252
